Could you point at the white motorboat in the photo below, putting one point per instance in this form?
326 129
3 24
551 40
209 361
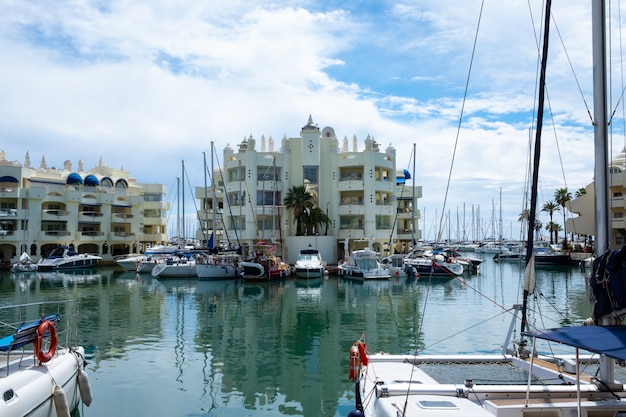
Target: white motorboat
309 264
132 261
426 264
362 265
218 266
396 265
25 264
64 257
42 371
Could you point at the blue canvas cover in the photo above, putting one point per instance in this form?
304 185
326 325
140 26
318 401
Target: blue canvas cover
609 340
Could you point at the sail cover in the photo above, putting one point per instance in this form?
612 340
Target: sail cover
609 340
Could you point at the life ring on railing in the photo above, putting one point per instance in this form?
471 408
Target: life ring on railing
46 326
354 363
362 353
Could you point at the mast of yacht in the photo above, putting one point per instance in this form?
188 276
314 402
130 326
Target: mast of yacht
601 174
530 256
214 200
413 205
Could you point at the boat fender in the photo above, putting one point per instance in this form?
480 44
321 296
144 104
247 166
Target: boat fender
354 363
46 326
60 402
84 386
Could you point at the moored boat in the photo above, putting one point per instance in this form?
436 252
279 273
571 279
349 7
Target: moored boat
309 264
42 368
65 257
25 264
176 267
218 266
361 265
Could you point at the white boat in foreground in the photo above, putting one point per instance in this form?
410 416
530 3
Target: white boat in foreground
41 369
528 378
64 257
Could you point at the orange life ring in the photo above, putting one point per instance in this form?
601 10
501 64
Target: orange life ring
354 363
46 326
362 353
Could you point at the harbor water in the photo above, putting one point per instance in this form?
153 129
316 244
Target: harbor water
181 347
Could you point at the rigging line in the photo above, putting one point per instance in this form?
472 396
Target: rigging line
569 61
466 329
230 210
619 14
456 141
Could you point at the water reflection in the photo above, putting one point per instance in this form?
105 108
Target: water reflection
183 347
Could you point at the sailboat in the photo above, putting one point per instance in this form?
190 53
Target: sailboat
529 383
217 263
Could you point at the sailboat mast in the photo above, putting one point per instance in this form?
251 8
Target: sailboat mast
413 208
535 177
182 218
598 16
214 200
600 127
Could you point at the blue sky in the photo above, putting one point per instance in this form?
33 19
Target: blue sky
146 84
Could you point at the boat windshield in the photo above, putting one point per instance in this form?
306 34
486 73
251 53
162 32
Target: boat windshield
367 264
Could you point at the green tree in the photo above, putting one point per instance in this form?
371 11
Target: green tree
550 207
562 197
580 192
315 219
299 200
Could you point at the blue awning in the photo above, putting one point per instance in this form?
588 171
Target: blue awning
8 178
606 340
74 178
91 180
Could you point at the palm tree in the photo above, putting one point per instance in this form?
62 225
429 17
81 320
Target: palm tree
299 200
561 197
550 207
316 218
553 228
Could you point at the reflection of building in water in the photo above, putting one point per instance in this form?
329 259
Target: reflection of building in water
360 192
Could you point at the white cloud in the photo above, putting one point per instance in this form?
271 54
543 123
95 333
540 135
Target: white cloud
146 84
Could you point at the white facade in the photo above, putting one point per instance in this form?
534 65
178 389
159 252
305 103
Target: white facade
102 211
356 189
583 206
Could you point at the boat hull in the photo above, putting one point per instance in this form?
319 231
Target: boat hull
208 272
302 272
30 384
86 261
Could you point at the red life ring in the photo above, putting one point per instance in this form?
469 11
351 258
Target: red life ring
46 326
354 363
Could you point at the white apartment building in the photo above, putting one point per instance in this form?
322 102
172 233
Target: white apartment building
583 206
356 189
102 211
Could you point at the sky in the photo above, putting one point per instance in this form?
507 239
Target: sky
144 85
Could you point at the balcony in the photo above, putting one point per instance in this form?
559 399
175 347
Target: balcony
91 235
54 214
121 236
8 213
